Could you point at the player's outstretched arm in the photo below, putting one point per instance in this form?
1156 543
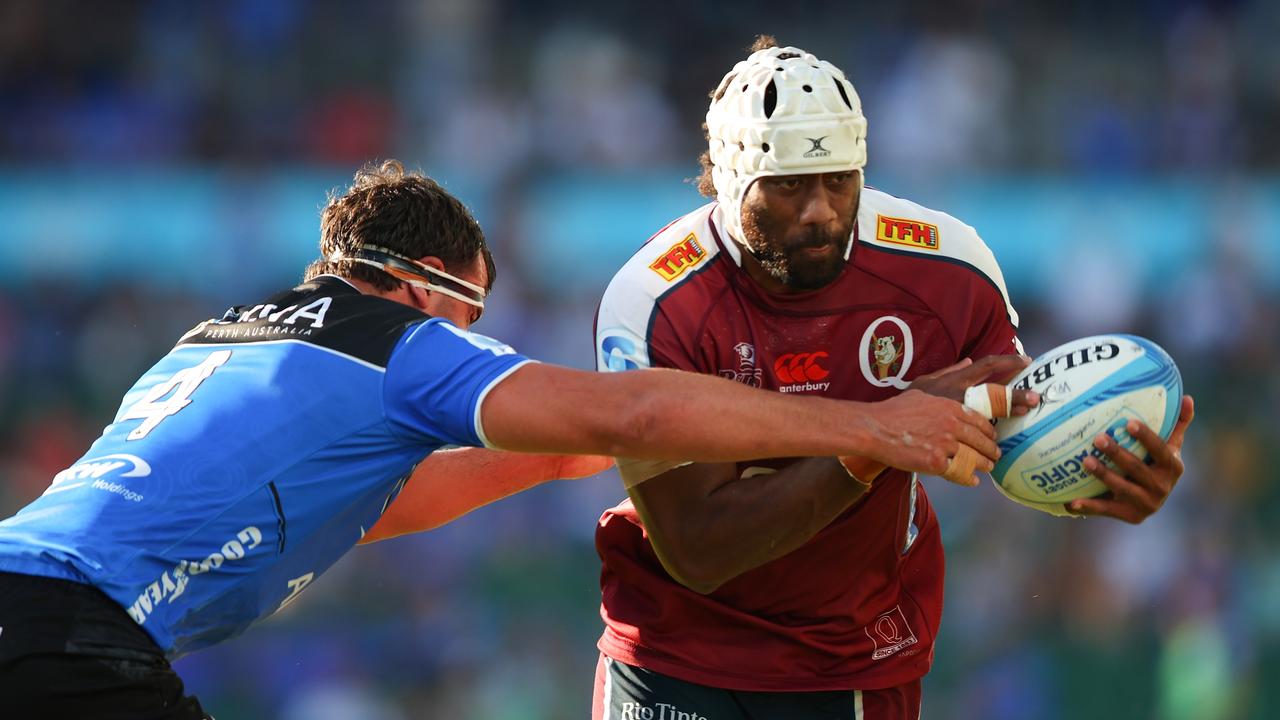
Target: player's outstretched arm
451 483
673 415
708 525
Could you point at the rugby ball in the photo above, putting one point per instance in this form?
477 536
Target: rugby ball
1087 386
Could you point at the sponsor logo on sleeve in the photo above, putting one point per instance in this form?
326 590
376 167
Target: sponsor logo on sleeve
678 258
911 233
886 351
621 349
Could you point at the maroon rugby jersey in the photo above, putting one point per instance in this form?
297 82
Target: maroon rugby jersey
858 606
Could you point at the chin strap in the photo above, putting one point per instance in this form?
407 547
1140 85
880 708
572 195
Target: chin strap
413 272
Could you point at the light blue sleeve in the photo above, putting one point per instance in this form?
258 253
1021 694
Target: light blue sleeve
436 379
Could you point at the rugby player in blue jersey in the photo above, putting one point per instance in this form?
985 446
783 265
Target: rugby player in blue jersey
271 440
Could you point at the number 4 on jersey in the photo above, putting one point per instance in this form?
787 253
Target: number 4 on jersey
172 395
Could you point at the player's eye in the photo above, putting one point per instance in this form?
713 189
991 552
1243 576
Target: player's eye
840 178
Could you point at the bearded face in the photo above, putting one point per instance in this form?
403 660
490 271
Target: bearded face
798 226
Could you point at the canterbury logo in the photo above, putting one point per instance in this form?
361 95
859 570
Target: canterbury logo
800 367
816 149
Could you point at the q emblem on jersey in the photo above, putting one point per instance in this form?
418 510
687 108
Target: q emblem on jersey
678 258
911 233
885 352
890 633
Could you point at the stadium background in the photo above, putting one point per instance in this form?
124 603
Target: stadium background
160 160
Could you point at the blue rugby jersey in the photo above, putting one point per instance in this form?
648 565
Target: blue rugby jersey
254 455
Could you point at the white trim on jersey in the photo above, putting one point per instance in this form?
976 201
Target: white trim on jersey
956 240
479 426
632 296
628 304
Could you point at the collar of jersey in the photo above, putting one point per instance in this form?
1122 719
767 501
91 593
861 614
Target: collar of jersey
339 278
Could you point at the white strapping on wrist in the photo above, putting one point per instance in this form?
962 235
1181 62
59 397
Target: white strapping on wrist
990 399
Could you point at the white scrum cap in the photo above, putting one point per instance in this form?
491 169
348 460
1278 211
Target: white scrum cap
781 111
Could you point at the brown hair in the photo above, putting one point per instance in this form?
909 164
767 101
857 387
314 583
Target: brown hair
405 212
704 182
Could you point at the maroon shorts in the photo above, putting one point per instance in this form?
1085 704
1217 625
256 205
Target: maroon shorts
623 692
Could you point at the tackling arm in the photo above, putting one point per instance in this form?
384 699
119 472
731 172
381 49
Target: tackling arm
662 414
451 483
707 526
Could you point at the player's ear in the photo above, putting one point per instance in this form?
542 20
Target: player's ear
418 297
432 261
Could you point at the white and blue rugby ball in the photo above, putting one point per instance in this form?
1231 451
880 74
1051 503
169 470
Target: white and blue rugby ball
1087 386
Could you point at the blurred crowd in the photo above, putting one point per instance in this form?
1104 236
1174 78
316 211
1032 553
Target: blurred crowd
508 87
495 616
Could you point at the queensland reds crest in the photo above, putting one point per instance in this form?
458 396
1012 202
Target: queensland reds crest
890 633
747 372
886 351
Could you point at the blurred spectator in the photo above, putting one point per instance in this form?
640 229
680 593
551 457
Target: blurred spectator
598 104
944 111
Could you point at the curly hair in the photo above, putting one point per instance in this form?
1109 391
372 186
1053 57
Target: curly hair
704 182
406 212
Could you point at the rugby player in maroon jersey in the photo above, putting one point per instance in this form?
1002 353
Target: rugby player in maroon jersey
799 587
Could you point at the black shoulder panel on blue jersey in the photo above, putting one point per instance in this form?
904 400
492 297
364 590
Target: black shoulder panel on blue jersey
326 312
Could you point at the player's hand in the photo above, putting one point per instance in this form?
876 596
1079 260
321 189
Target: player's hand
951 382
923 433
573 467
1142 488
